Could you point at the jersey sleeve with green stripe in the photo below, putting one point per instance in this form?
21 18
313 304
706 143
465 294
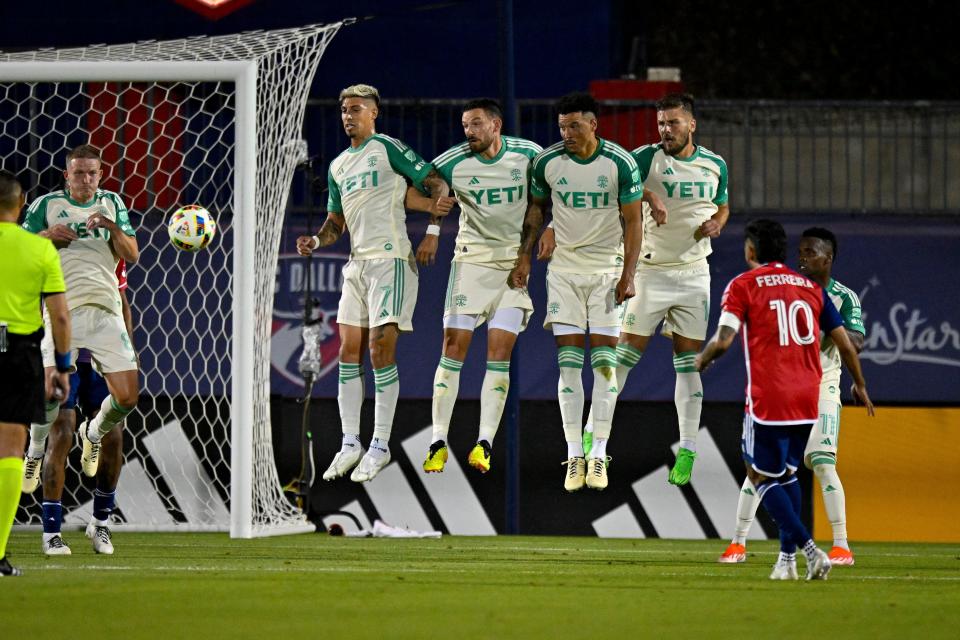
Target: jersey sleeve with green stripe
848 303
89 263
586 196
692 189
368 185
493 199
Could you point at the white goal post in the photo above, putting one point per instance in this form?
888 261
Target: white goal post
178 97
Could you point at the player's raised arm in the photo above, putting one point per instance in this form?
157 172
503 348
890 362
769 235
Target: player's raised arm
532 221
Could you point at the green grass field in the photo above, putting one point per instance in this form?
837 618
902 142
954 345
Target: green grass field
208 586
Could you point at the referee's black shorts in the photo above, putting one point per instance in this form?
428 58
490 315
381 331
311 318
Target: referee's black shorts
22 388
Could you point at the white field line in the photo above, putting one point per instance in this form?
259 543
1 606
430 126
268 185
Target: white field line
435 570
580 550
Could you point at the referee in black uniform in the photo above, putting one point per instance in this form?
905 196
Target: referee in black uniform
31 271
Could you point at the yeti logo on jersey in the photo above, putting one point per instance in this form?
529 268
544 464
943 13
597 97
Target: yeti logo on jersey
585 199
689 189
364 180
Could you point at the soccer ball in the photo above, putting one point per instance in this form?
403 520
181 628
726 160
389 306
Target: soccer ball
191 228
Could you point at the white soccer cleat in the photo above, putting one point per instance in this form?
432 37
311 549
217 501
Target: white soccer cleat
784 571
101 537
90 459
819 567
343 462
369 467
55 546
31 474
596 473
576 474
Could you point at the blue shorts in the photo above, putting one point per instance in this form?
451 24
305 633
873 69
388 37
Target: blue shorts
87 389
772 449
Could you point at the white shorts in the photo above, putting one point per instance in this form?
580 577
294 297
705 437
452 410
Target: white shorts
582 300
101 332
825 434
481 291
377 292
680 297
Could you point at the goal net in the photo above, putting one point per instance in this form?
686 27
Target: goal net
214 121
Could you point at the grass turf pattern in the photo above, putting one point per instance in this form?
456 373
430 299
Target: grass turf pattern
208 586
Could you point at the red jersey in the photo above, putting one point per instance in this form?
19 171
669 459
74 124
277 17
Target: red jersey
121 275
781 314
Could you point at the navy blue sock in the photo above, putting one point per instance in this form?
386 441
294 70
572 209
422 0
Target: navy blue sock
777 503
103 502
791 485
52 516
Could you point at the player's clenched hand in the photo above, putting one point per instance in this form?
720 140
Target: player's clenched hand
306 245
547 245
60 235
520 273
58 385
442 205
860 396
658 211
625 289
100 221
710 229
427 251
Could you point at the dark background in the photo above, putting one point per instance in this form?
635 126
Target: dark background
725 48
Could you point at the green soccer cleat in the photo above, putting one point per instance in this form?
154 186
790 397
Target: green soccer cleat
680 474
436 457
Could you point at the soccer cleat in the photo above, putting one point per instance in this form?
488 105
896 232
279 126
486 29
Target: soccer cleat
784 571
343 462
840 556
90 459
587 440
436 457
101 538
680 474
734 553
31 473
597 473
819 567
55 546
7 570
576 474
369 467
479 458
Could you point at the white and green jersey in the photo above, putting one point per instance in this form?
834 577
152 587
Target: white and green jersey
493 199
367 186
89 263
586 196
848 304
691 189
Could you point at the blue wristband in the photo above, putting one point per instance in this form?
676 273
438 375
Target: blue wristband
63 361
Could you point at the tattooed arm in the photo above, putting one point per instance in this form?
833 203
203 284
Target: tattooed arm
329 233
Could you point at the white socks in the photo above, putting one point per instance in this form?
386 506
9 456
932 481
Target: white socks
446 385
350 398
747 505
570 395
688 398
834 501
387 382
493 396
